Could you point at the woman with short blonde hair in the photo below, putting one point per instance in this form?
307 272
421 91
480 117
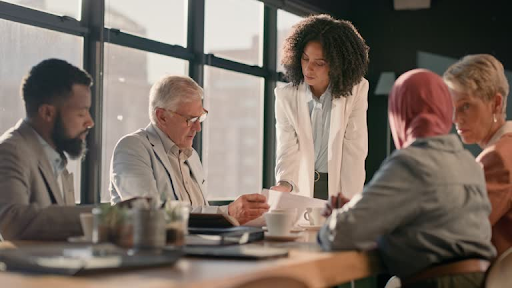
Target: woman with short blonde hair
479 91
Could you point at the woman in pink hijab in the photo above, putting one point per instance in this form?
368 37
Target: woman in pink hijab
427 205
418 107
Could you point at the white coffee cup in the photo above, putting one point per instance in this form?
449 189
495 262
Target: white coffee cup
279 222
86 220
314 216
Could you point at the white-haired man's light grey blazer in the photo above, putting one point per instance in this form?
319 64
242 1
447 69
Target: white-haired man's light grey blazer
140 167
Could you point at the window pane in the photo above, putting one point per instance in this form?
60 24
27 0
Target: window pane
162 20
285 21
232 134
129 74
22 47
226 36
72 8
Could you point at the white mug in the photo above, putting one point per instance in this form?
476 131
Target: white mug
293 211
314 216
86 220
279 222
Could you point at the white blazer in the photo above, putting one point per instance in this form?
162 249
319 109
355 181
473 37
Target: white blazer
348 140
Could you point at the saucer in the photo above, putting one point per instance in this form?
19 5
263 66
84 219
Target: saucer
292 230
311 227
288 237
79 239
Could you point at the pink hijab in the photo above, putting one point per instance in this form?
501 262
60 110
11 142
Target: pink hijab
419 106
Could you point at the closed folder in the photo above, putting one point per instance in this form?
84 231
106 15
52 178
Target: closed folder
211 220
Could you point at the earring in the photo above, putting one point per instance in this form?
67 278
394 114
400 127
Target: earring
494 118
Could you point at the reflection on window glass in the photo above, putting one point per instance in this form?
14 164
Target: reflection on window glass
285 22
35 44
226 37
70 8
162 20
129 74
232 134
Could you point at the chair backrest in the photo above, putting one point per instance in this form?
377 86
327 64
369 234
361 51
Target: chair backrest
394 282
498 275
7 245
273 281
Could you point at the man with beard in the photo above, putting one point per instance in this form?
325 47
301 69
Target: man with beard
37 199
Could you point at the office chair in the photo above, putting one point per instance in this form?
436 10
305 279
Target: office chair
273 281
498 275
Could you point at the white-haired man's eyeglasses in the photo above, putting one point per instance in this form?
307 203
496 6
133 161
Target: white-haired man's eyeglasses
191 120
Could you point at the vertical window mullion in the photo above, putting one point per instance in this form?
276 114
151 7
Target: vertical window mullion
195 43
269 64
93 12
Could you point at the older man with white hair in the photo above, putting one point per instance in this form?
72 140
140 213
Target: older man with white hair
159 162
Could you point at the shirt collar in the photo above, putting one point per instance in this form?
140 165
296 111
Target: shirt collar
57 161
507 128
170 147
323 98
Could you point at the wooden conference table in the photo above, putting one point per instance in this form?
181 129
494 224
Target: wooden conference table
305 262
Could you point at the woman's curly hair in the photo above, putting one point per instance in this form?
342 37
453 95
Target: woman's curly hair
344 50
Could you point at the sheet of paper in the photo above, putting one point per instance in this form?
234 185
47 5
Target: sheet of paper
283 200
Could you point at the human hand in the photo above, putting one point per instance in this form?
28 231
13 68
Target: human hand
248 207
334 202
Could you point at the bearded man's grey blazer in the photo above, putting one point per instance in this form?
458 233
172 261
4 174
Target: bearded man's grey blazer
31 203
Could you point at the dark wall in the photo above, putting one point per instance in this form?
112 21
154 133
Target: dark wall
450 28
337 8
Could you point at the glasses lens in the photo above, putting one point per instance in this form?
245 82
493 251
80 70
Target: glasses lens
203 117
192 120
195 119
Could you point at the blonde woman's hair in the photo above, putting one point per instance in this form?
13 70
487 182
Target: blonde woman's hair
480 75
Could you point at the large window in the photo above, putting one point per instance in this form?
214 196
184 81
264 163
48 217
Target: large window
22 47
285 22
71 8
143 41
234 30
129 74
232 134
161 20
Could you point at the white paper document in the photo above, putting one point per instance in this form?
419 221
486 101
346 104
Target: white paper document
285 200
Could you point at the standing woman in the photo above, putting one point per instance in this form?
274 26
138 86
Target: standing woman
479 91
322 138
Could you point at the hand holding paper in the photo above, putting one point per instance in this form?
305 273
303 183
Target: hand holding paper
248 207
